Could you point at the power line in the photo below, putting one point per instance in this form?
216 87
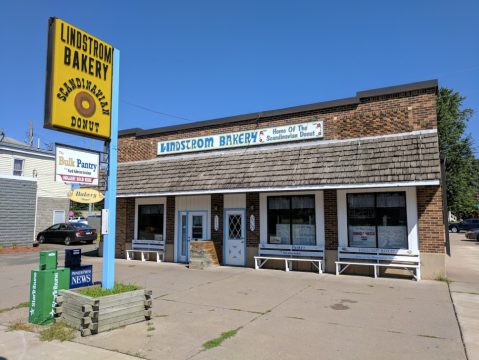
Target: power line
157 112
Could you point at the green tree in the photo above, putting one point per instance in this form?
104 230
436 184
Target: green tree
462 169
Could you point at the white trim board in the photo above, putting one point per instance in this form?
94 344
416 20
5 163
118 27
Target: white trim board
14 177
30 152
290 188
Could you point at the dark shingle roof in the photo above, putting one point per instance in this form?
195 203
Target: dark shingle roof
410 157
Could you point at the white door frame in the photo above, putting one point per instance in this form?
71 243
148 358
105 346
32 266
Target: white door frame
189 214
226 231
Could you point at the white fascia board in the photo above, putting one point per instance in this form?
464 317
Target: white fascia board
290 188
14 177
32 152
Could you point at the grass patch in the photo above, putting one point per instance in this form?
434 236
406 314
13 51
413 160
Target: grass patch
14 246
236 310
20 325
21 305
161 315
322 289
150 328
217 342
294 317
371 285
431 336
131 265
460 292
58 331
443 279
395 332
118 288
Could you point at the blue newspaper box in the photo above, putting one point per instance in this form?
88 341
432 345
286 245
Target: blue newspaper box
81 276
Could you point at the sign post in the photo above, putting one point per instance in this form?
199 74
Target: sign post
81 98
108 279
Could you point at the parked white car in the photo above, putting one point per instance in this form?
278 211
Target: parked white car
79 219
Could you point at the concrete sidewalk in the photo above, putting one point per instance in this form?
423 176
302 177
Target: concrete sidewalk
275 314
463 270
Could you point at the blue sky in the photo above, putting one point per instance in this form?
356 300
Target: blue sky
201 60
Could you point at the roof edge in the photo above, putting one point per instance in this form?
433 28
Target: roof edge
290 110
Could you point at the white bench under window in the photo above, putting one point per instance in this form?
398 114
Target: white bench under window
396 258
290 253
147 247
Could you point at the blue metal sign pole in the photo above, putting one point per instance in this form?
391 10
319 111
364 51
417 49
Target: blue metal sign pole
108 279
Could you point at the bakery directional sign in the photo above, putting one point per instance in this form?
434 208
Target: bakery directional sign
262 136
79 82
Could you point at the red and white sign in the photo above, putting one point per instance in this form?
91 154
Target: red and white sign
74 165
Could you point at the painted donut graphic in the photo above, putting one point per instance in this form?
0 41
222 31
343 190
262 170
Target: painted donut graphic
81 97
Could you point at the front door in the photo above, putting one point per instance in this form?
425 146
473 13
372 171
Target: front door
234 238
192 227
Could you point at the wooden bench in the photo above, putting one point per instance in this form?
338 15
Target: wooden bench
290 253
147 247
406 259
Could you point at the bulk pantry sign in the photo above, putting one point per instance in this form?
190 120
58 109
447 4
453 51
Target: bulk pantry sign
79 82
75 165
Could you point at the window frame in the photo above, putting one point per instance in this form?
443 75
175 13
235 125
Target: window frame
290 197
138 217
150 201
375 193
23 166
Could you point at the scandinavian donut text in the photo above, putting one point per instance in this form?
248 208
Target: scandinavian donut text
79 81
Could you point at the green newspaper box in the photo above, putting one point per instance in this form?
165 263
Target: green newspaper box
44 287
48 260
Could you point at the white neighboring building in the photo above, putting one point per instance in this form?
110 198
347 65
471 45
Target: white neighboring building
30 199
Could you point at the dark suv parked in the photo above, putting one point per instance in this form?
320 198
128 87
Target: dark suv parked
464 225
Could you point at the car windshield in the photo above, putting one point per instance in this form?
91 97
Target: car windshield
79 226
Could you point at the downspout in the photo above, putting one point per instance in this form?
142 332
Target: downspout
444 203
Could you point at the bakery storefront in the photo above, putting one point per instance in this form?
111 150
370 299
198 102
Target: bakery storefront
361 172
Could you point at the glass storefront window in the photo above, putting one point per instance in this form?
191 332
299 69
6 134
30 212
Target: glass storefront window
150 222
377 220
291 220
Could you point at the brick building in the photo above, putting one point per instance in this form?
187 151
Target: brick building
357 172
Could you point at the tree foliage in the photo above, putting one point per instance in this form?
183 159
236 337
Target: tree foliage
462 169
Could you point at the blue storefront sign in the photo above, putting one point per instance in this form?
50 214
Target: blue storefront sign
81 276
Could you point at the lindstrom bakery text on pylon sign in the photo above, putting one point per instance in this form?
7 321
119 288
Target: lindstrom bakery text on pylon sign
79 82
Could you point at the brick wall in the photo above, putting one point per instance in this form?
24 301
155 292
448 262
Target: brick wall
125 225
331 219
170 220
388 114
217 236
430 220
252 237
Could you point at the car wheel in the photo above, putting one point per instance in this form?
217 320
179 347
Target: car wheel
67 241
41 239
89 242
477 238
454 229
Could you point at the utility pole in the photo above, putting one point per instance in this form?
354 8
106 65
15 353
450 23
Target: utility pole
31 133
